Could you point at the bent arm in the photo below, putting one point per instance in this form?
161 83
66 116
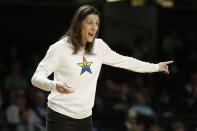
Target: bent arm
44 69
40 80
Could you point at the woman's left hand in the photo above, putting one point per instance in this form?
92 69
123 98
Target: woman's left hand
163 66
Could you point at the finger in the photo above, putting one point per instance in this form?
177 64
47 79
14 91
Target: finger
166 71
70 89
168 62
166 67
67 85
64 90
67 92
61 90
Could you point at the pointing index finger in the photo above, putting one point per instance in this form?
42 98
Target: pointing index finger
169 62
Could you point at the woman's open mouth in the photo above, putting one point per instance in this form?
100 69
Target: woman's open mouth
91 34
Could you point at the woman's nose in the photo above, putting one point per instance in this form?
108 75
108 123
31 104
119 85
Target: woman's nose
94 27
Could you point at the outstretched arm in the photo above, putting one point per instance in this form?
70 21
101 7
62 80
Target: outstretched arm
114 59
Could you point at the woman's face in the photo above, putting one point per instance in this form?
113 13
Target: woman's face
89 28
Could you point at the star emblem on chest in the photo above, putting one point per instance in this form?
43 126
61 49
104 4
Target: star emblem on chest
85 66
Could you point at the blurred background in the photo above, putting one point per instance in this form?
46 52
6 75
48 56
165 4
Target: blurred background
149 30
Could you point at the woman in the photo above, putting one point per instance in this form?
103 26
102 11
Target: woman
76 61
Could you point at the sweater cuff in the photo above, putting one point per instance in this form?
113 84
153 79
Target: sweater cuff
54 83
157 67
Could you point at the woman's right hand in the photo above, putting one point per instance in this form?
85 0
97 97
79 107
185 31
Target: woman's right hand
64 88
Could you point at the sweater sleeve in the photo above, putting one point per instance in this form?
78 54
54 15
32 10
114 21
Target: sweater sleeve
47 65
116 60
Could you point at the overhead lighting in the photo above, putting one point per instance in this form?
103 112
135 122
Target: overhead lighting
137 3
110 1
165 3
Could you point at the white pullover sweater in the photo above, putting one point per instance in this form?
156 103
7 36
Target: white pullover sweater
79 71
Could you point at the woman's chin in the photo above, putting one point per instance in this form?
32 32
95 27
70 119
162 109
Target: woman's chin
90 41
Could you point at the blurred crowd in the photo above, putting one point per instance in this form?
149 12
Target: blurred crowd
125 100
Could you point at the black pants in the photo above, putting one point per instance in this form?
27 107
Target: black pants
58 122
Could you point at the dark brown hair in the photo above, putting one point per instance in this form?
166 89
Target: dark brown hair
74 31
